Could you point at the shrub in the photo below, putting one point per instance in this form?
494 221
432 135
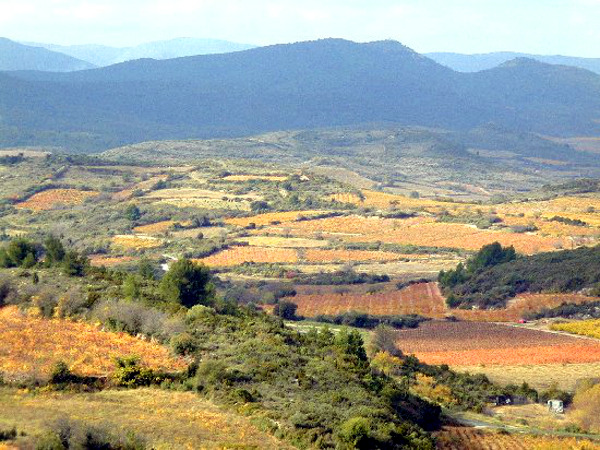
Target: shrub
131 374
285 310
355 433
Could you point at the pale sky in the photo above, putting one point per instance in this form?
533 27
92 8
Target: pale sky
568 27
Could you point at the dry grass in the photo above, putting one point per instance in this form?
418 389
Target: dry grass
129 241
31 345
166 419
53 198
143 186
342 256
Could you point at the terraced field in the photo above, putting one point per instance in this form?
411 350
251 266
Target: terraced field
53 198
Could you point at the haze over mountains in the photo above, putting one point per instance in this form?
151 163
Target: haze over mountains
484 61
16 56
102 55
313 84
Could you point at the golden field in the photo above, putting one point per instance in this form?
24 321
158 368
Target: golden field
53 198
32 345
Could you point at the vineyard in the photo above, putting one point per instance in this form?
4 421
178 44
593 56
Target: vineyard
282 242
475 343
270 218
460 438
109 261
424 299
418 231
52 198
31 346
155 228
142 186
130 241
255 177
238 255
589 328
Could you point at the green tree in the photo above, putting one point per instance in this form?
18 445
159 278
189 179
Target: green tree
188 284
75 264
285 310
55 251
19 252
131 287
133 213
145 269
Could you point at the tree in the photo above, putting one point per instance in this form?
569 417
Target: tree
18 253
133 213
384 340
75 264
145 269
188 284
285 310
55 251
491 255
131 287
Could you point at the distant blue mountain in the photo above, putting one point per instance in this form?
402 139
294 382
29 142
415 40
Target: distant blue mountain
484 61
101 55
16 56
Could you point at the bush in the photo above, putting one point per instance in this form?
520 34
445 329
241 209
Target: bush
286 310
131 374
355 433
8 435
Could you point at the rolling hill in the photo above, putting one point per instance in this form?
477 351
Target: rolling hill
484 61
314 84
15 56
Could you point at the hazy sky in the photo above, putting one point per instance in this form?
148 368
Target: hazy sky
570 27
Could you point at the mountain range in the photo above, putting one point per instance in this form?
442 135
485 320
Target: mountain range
16 56
324 83
484 61
102 55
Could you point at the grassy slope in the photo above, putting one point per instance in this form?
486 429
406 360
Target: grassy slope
168 420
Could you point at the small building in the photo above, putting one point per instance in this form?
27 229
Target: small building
556 406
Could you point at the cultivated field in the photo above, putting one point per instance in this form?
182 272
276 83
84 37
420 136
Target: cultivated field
589 328
418 231
31 345
238 255
460 438
109 261
130 241
270 218
53 198
424 299
167 420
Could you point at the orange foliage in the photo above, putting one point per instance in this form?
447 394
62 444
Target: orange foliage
52 198
268 218
31 345
108 261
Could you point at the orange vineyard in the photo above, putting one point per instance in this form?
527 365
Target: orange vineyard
470 343
52 198
460 438
30 346
420 231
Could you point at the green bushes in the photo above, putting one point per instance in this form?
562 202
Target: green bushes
286 310
131 374
19 253
67 434
363 320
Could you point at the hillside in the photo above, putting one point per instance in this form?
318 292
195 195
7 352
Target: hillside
484 61
306 85
103 55
15 56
